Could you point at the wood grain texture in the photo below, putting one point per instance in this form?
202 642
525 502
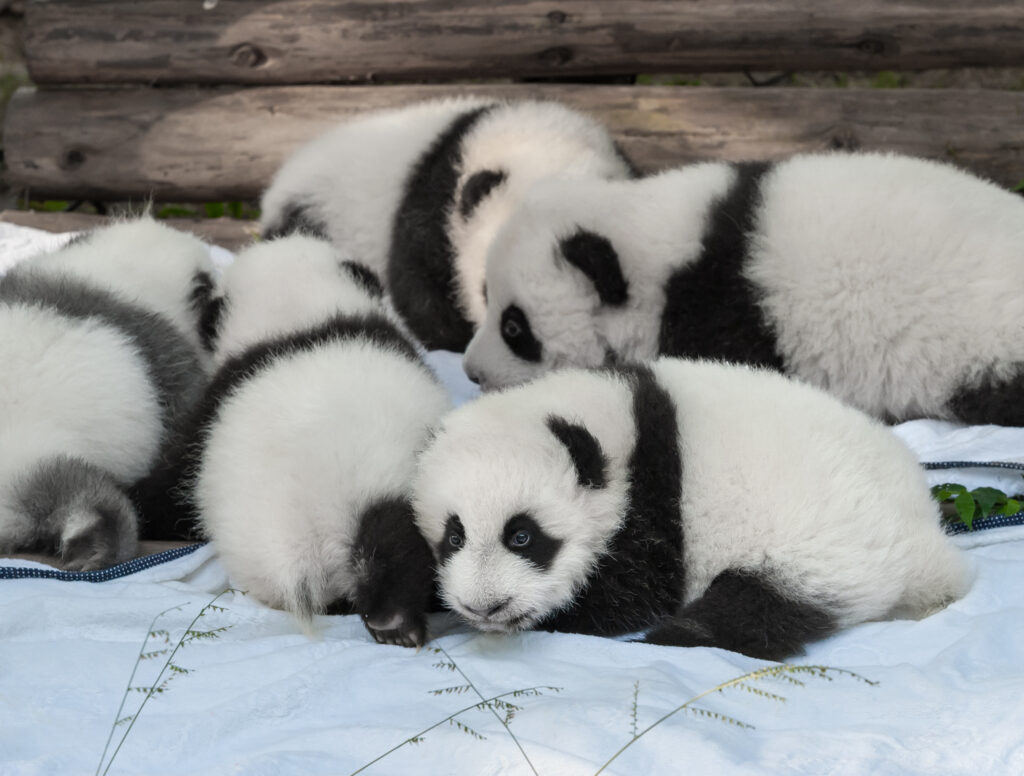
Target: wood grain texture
196 144
228 233
326 41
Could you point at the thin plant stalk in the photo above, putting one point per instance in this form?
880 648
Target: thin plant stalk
483 703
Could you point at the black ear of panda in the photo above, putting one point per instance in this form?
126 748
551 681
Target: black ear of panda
476 188
594 256
584 450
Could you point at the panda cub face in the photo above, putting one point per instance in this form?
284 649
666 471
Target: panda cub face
517 504
549 284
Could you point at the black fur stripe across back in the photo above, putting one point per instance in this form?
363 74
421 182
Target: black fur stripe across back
421 276
163 498
711 309
171 362
640 579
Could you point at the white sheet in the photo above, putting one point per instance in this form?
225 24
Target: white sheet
263 698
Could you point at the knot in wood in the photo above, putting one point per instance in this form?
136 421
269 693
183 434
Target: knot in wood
72 159
557 17
556 57
247 55
876 45
844 140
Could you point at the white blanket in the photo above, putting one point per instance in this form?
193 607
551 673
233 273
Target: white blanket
261 697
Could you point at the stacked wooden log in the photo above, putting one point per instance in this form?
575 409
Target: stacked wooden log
199 100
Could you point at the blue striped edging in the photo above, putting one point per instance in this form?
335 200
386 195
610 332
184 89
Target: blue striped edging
132 566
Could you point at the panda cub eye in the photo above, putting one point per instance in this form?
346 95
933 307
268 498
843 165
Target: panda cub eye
455 540
515 330
520 539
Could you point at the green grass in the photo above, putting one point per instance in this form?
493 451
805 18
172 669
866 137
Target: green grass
888 79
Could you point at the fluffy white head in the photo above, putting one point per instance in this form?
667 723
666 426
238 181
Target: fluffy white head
507 152
576 275
501 501
286 285
144 262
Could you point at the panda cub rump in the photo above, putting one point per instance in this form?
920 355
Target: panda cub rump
307 446
656 499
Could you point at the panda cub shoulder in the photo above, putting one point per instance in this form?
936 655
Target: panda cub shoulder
706 504
304 445
101 354
419 191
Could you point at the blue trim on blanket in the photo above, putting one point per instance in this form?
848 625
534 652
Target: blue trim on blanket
102 575
974 465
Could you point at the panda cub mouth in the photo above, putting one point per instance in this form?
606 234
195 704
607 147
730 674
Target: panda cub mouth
511 624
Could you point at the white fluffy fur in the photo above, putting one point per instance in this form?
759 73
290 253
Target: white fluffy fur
282 286
298 451
777 477
353 177
73 388
143 262
889 280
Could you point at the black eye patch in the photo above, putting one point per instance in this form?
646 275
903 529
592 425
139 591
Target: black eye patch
515 330
524 537
476 188
453 540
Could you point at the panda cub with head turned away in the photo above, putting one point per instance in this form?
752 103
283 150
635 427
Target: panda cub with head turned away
896 284
706 504
100 356
300 457
418 192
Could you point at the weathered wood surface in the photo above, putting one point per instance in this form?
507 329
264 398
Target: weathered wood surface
226 232
321 41
215 144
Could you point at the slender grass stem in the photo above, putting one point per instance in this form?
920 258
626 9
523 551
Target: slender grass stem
163 670
131 678
481 704
497 716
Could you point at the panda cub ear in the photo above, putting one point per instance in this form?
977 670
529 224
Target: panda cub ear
584 450
595 257
364 277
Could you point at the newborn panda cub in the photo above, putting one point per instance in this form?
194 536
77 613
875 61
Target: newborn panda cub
706 504
418 192
834 268
305 442
100 354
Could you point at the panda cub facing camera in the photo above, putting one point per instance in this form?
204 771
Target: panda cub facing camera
101 350
707 504
836 268
301 454
418 192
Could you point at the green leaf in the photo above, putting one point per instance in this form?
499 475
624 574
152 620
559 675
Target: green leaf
987 499
1019 186
1011 507
175 211
965 508
214 209
947 491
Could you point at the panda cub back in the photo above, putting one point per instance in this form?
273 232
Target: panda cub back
706 504
306 441
100 364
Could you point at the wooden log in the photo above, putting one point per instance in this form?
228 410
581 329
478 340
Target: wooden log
322 41
228 233
216 144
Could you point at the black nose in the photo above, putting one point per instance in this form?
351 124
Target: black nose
473 377
491 611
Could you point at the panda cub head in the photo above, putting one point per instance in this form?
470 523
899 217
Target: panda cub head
286 285
555 289
518 498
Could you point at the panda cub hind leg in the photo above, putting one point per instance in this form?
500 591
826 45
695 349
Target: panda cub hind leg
743 612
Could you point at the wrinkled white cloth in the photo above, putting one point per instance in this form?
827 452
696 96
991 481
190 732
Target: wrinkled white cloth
262 697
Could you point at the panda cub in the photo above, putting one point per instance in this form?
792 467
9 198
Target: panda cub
417 193
897 284
100 346
707 504
303 448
